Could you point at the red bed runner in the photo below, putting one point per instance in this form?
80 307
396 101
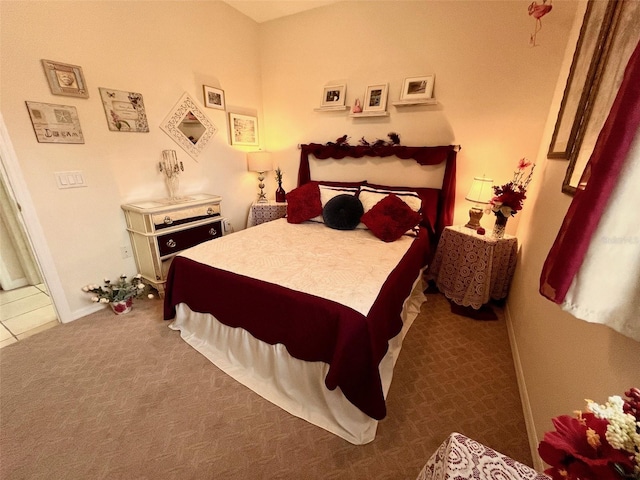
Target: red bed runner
311 328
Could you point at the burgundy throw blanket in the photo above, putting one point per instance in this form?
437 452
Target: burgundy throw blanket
311 328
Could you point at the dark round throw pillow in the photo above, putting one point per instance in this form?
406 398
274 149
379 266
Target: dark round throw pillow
343 212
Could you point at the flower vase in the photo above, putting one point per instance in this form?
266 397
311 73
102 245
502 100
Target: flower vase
281 195
500 226
121 307
173 183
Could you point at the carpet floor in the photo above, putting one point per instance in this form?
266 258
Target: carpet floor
124 397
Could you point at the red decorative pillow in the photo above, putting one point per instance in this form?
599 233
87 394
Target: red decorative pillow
390 218
303 203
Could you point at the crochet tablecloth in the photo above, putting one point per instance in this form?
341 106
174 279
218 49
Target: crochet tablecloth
461 458
470 269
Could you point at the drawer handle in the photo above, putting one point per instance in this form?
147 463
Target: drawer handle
171 243
213 232
167 220
210 211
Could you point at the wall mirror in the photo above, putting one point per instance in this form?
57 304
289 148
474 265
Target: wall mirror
188 126
613 24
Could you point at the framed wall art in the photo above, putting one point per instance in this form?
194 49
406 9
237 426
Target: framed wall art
55 123
417 88
65 79
213 97
582 77
333 96
243 129
124 110
375 98
188 126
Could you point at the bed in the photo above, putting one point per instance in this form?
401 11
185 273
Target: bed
309 317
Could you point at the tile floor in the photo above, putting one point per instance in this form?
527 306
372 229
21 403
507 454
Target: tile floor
24 312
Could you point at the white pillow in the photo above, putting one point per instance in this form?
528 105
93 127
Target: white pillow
328 192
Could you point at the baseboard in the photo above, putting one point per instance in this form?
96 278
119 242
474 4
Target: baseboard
524 395
83 312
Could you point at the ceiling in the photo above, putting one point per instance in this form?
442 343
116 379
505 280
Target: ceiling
265 10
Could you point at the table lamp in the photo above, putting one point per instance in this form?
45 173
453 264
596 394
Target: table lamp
260 162
480 193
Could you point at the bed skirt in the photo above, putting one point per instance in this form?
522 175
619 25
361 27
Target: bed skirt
294 385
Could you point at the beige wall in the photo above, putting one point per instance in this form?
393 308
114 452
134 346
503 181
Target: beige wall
494 90
158 49
561 360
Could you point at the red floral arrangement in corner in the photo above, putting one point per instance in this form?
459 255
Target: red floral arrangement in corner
509 197
602 443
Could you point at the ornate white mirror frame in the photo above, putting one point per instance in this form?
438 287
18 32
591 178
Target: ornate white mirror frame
188 126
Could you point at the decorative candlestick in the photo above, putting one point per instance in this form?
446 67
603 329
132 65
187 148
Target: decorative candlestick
171 169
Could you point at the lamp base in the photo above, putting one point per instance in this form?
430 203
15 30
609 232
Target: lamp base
475 214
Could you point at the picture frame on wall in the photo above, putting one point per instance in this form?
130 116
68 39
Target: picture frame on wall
54 123
124 110
417 88
333 96
583 75
375 98
213 97
243 129
65 79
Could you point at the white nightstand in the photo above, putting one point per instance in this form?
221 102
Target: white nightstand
470 269
265 212
160 229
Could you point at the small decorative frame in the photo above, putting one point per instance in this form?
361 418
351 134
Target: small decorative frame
243 130
375 98
213 97
55 123
188 126
124 110
333 96
417 88
65 79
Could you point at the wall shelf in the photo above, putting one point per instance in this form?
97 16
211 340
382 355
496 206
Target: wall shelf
406 103
332 109
369 114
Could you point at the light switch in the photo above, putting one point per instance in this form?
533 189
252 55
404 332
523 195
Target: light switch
70 179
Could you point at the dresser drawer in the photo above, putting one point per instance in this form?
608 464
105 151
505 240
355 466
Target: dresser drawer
185 215
177 241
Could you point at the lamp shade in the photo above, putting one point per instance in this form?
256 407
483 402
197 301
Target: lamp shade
481 190
259 161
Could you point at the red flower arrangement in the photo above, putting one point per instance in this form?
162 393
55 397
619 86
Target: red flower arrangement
602 443
509 197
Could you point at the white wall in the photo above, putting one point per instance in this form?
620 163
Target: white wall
562 360
158 49
494 90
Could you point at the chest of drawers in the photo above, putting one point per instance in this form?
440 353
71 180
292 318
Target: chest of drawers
160 229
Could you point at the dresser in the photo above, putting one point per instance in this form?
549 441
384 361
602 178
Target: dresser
160 229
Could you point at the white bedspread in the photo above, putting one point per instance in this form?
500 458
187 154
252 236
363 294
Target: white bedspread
334 262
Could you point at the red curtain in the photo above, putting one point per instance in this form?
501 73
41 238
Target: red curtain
422 155
600 178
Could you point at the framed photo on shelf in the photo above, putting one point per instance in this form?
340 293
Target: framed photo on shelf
243 129
124 110
55 123
417 88
333 96
65 79
375 98
213 97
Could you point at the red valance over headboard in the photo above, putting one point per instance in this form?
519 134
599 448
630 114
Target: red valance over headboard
422 155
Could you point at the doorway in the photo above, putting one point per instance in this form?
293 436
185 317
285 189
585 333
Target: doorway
26 306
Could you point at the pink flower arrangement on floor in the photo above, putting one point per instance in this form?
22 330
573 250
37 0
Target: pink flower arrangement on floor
602 443
509 197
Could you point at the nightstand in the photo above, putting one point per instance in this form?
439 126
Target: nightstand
265 212
160 229
471 269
